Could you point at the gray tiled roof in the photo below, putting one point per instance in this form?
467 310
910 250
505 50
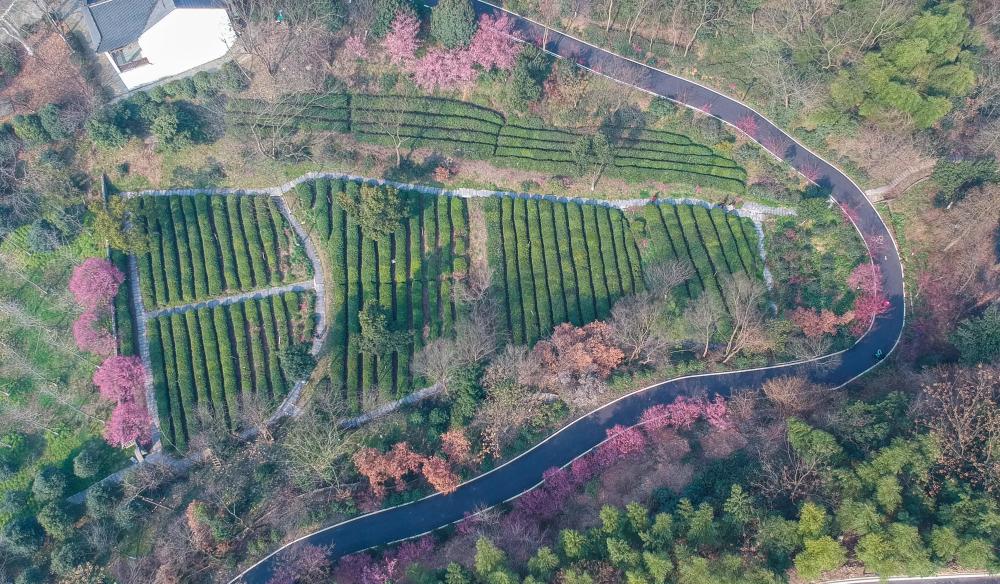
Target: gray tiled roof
112 24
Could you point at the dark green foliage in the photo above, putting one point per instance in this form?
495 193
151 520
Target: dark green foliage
297 362
101 498
49 484
29 129
524 86
385 13
376 209
978 338
56 519
69 555
955 178
10 64
50 116
453 23
23 535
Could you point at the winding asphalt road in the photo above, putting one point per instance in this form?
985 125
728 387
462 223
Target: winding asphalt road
524 472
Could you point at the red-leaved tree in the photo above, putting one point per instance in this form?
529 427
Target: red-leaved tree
456 446
816 323
129 421
438 473
95 282
120 378
90 334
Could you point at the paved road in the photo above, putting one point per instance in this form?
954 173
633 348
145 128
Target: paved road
524 472
234 299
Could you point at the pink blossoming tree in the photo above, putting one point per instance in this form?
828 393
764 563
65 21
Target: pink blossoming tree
493 46
401 42
355 47
866 279
748 125
120 378
90 334
129 421
441 69
95 282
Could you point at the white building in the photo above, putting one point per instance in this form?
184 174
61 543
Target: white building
147 40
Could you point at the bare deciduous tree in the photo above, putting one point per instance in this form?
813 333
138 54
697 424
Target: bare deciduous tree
702 317
793 396
663 277
744 296
638 327
386 119
316 453
961 408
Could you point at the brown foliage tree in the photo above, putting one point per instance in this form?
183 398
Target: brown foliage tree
961 409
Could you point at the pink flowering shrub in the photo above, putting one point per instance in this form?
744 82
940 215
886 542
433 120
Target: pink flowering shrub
684 412
866 280
90 334
493 46
622 443
95 282
443 69
129 421
811 172
748 125
355 47
120 377
401 42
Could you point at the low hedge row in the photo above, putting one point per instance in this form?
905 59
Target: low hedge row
408 273
208 246
472 130
204 360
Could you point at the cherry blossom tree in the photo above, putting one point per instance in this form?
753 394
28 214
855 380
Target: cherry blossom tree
717 413
441 69
91 336
870 302
748 125
120 378
129 421
95 282
355 47
811 172
493 46
622 443
402 41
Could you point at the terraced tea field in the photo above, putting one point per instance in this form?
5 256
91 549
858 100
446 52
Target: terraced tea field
408 274
570 262
204 246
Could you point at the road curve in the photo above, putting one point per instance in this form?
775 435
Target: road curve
577 438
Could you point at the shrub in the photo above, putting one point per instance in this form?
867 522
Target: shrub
87 463
297 362
29 129
23 536
232 78
95 282
453 23
10 64
67 557
106 128
51 119
55 518
101 498
49 484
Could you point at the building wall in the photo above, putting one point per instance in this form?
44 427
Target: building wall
184 39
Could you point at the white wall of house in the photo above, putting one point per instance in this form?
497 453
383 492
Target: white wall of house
182 40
